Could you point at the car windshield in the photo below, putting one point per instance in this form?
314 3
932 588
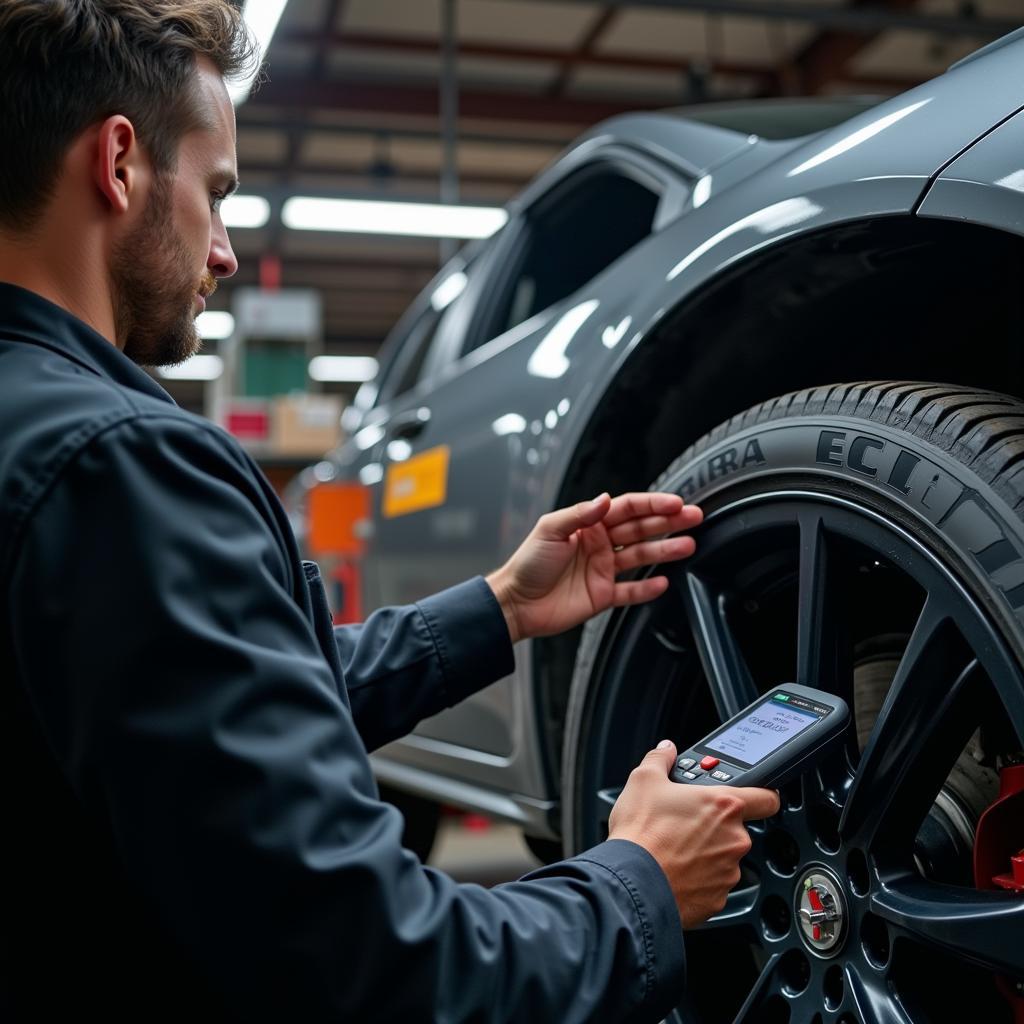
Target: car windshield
779 119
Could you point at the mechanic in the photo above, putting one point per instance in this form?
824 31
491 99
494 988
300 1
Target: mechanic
192 829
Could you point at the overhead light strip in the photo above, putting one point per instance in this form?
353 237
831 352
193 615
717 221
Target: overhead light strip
200 367
349 369
240 211
261 18
363 216
215 325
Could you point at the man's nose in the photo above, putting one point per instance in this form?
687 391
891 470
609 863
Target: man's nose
221 261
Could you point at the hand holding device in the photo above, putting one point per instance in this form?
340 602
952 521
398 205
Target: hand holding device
695 834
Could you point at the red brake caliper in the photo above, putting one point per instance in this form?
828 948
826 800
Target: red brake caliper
999 857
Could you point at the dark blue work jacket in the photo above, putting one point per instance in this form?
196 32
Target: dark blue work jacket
190 827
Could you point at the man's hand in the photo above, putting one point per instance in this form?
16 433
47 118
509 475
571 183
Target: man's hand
695 833
564 572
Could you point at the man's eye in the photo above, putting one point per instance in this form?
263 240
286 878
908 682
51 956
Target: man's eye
216 198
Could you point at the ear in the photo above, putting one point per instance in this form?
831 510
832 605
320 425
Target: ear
119 163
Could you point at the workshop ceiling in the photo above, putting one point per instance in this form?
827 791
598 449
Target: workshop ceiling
350 104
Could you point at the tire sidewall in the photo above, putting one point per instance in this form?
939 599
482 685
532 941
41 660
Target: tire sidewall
915 487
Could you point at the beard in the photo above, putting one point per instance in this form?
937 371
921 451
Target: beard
154 293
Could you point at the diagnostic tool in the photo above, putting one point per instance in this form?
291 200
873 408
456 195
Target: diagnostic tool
775 739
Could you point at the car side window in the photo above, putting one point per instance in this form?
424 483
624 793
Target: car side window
408 372
412 362
575 232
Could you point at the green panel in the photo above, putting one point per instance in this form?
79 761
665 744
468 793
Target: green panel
274 369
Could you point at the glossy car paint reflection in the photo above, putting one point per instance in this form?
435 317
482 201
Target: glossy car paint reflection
516 409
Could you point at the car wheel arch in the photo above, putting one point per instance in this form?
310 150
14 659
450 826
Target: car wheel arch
856 270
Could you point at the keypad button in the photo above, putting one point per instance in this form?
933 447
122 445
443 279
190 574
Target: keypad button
692 775
686 762
709 762
720 775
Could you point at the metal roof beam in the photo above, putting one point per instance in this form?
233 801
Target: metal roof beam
627 62
825 58
501 106
597 29
257 119
323 181
874 18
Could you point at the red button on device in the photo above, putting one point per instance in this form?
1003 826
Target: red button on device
709 762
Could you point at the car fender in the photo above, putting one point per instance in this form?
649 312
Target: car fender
878 164
985 185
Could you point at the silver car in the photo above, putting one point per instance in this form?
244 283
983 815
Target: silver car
749 306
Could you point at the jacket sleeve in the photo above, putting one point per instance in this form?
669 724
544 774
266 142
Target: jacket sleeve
406 663
182 691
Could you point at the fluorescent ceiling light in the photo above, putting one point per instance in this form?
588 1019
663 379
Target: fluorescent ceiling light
261 18
215 326
196 368
244 211
427 220
353 369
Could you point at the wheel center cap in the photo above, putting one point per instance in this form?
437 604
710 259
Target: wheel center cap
821 911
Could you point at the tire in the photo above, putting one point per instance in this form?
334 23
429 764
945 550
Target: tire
865 539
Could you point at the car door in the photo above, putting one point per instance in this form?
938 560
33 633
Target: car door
461 449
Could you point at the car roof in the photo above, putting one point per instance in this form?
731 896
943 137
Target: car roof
699 138
778 118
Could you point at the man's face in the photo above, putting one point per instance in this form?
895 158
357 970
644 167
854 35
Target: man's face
169 263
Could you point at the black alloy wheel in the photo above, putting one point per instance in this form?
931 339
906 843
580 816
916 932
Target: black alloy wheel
864 539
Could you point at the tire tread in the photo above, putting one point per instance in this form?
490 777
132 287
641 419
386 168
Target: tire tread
981 429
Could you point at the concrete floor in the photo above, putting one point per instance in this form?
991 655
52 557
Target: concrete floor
487 856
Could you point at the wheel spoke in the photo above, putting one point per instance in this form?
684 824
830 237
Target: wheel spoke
920 730
874 1003
732 687
983 927
739 910
823 652
765 986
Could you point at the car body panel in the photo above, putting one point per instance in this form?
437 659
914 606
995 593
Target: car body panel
514 410
986 184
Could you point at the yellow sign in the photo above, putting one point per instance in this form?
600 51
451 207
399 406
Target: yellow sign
418 483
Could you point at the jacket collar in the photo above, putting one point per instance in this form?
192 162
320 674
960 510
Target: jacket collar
28 317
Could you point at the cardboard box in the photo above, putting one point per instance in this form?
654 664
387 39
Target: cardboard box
305 425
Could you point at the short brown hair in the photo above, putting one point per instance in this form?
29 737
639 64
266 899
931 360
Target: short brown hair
67 64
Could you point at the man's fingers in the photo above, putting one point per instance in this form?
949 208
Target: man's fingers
639 591
757 803
634 530
663 756
654 552
564 522
637 504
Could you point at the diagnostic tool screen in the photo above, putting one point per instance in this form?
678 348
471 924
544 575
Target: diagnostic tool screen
766 728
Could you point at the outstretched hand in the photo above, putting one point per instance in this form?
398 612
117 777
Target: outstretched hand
565 571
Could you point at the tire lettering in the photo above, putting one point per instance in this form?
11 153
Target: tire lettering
753 453
855 460
830 442
722 464
960 513
901 471
928 490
